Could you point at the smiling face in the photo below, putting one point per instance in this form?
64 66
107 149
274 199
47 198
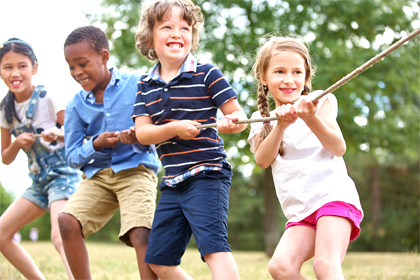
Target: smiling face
172 38
16 70
285 77
87 66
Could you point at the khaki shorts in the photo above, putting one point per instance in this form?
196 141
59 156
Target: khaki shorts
96 199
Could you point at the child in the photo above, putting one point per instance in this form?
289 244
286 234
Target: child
28 110
305 149
118 171
177 95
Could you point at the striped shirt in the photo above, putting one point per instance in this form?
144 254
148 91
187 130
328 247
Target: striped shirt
194 94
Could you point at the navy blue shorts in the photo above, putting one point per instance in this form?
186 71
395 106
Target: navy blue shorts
199 206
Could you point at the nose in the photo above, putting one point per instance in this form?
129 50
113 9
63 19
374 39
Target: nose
15 72
288 79
77 71
175 34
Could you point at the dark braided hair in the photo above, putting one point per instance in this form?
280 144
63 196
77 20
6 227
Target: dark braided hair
18 46
91 34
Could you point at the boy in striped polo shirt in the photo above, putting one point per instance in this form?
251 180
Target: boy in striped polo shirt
179 94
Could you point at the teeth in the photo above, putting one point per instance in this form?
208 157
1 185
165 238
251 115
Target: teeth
175 46
16 82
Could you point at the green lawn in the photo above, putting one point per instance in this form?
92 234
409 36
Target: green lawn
116 261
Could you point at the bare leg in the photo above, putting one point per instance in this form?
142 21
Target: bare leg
55 208
332 240
170 272
19 213
295 247
222 266
139 237
74 246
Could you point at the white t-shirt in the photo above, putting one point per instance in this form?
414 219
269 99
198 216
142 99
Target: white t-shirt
45 117
307 176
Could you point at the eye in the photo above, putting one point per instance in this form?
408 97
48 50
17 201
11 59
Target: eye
185 28
166 27
71 68
83 64
279 72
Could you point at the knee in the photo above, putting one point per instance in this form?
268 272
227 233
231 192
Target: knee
322 266
139 237
68 225
279 269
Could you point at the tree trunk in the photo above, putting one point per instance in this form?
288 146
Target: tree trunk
271 213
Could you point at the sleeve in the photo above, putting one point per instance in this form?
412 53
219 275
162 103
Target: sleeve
219 88
331 97
255 129
3 122
52 107
78 152
139 107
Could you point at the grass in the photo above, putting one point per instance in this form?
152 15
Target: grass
116 261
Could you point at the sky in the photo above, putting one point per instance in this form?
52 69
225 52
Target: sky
45 25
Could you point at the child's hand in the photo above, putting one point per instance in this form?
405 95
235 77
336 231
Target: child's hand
106 140
49 136
226 124
186 129
305 109
25 140
128 136
287 114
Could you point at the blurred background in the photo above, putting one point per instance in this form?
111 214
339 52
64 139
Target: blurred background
379 111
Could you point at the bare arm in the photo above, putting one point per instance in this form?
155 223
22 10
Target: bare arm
9 149
323 125
147 133
232 112
268 150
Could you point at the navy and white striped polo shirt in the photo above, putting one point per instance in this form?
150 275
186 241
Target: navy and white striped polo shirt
195 94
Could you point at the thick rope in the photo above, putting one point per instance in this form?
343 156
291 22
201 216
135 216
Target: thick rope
338 84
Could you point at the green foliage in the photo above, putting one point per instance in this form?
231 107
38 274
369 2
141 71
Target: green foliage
6 198
379 111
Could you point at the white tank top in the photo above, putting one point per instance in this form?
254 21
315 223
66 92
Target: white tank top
307 176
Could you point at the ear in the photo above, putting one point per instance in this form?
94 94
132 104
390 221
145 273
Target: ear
263 80
35 68
105 55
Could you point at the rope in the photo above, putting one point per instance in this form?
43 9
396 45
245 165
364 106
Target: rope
338 84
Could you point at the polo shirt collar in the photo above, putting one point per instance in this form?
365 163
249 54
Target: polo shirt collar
115 79
189 65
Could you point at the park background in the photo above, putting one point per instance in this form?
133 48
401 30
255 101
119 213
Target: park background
379 111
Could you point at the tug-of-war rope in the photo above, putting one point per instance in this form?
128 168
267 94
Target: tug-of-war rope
338 84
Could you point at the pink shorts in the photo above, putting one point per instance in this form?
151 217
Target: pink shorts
334 208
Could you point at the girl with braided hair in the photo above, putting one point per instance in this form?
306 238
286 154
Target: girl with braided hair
304 148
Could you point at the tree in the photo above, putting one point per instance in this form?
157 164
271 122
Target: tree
378 111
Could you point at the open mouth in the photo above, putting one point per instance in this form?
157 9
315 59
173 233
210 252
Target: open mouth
175 45
83 81
16 83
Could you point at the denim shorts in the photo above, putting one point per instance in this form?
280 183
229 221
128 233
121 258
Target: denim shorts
334 208
61 187
197 206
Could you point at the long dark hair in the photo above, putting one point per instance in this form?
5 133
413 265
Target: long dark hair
18 46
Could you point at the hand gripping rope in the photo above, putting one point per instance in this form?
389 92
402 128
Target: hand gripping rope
338 84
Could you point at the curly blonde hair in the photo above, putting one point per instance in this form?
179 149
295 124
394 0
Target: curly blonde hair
154 11
266 51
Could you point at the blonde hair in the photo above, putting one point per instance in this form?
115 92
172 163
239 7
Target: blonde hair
154 11
265 52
